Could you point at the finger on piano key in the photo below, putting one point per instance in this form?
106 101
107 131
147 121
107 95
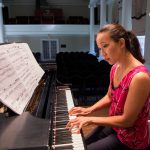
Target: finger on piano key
75 130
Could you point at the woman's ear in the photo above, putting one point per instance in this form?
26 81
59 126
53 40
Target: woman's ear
122 43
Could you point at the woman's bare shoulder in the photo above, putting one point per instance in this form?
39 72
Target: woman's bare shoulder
142 79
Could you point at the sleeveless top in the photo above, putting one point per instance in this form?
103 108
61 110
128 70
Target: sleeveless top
137 136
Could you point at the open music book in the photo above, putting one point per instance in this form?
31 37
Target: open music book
19 75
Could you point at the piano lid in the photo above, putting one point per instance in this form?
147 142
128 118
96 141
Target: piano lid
24 132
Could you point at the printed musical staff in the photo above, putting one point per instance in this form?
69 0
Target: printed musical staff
19 75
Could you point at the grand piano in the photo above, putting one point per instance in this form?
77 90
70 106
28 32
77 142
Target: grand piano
41 126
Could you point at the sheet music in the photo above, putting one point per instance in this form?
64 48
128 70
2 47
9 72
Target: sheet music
19 75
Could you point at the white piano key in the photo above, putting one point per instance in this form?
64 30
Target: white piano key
77 138
69 99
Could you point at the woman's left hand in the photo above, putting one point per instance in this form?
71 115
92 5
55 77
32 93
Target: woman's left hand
78 123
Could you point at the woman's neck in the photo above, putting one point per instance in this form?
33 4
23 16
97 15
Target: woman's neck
128 62
125 65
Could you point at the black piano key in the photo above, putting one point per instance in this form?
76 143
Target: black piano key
64 135
63 131
61 94
58 118
68 133
63 139
60 126
60 105
61 108
60 141
62 113
68 147
62 122
62 116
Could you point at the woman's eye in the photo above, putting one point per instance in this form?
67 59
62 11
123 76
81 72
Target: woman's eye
105 46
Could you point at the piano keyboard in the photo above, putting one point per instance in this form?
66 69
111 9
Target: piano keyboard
63 139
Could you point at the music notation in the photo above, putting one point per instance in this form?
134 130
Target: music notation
19 75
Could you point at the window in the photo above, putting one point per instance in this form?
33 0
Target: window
49 49
142 43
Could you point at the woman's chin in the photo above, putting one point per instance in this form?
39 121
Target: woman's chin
109 61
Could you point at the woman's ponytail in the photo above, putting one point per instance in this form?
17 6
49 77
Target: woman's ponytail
134 46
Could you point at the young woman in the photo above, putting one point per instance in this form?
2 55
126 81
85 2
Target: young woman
128 95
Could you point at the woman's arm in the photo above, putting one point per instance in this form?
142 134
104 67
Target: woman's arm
105 101
139 91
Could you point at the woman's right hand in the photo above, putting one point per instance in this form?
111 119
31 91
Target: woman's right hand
76 111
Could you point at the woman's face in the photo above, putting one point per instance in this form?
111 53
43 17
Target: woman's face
110 50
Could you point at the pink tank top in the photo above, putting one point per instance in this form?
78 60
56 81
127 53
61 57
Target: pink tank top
137 136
